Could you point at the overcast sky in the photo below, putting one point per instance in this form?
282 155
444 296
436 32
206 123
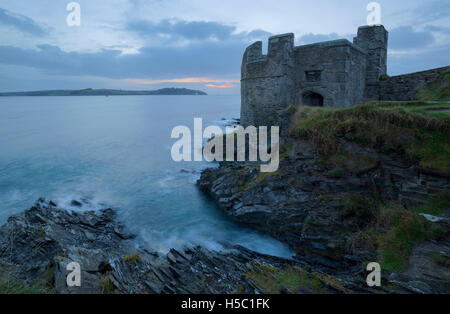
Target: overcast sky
150 44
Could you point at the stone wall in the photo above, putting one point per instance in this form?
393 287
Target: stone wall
332 73
335 70
374 40
329 74
405 87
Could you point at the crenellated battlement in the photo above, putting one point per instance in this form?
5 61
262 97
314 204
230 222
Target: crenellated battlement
285 43
253 53
280 46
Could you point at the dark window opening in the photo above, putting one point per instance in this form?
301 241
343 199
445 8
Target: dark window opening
312 99
313 76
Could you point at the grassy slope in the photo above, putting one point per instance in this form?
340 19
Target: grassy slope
420 130
10 285
274 280
413 128
438 90
17 287
410 127
394 231
423 136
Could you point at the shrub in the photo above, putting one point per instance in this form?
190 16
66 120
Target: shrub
107 285
271 279
363 206
435 205
397 230
441 259
132 259
336 173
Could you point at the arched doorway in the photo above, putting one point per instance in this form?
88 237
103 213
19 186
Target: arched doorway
312 99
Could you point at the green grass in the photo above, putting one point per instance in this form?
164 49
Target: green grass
336 173
20 287
430 108
365 206
132 259
261 177
435 205
441 259
395 232
107 285
432 150
43 284
272 279
421 135
438 90
246 184
396 244
353 163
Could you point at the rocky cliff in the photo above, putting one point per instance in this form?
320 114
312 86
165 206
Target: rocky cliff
357 185
354 186
37 245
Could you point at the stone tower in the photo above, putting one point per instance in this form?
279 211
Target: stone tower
267 80
331 74
373 39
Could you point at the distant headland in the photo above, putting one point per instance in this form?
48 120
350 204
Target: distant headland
106 92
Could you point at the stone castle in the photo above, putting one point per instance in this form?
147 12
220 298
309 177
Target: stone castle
335 73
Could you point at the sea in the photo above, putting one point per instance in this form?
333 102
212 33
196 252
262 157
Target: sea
116 152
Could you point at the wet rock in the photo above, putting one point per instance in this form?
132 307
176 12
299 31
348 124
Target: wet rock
285 290
76 203
104 267
42 241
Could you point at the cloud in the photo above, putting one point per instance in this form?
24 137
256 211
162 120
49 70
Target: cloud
188 30
431 11
405 37
21 23
315 38
400 38
438 29
180 80
401 63
220 86
148 43
199 57
196 60
177 30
